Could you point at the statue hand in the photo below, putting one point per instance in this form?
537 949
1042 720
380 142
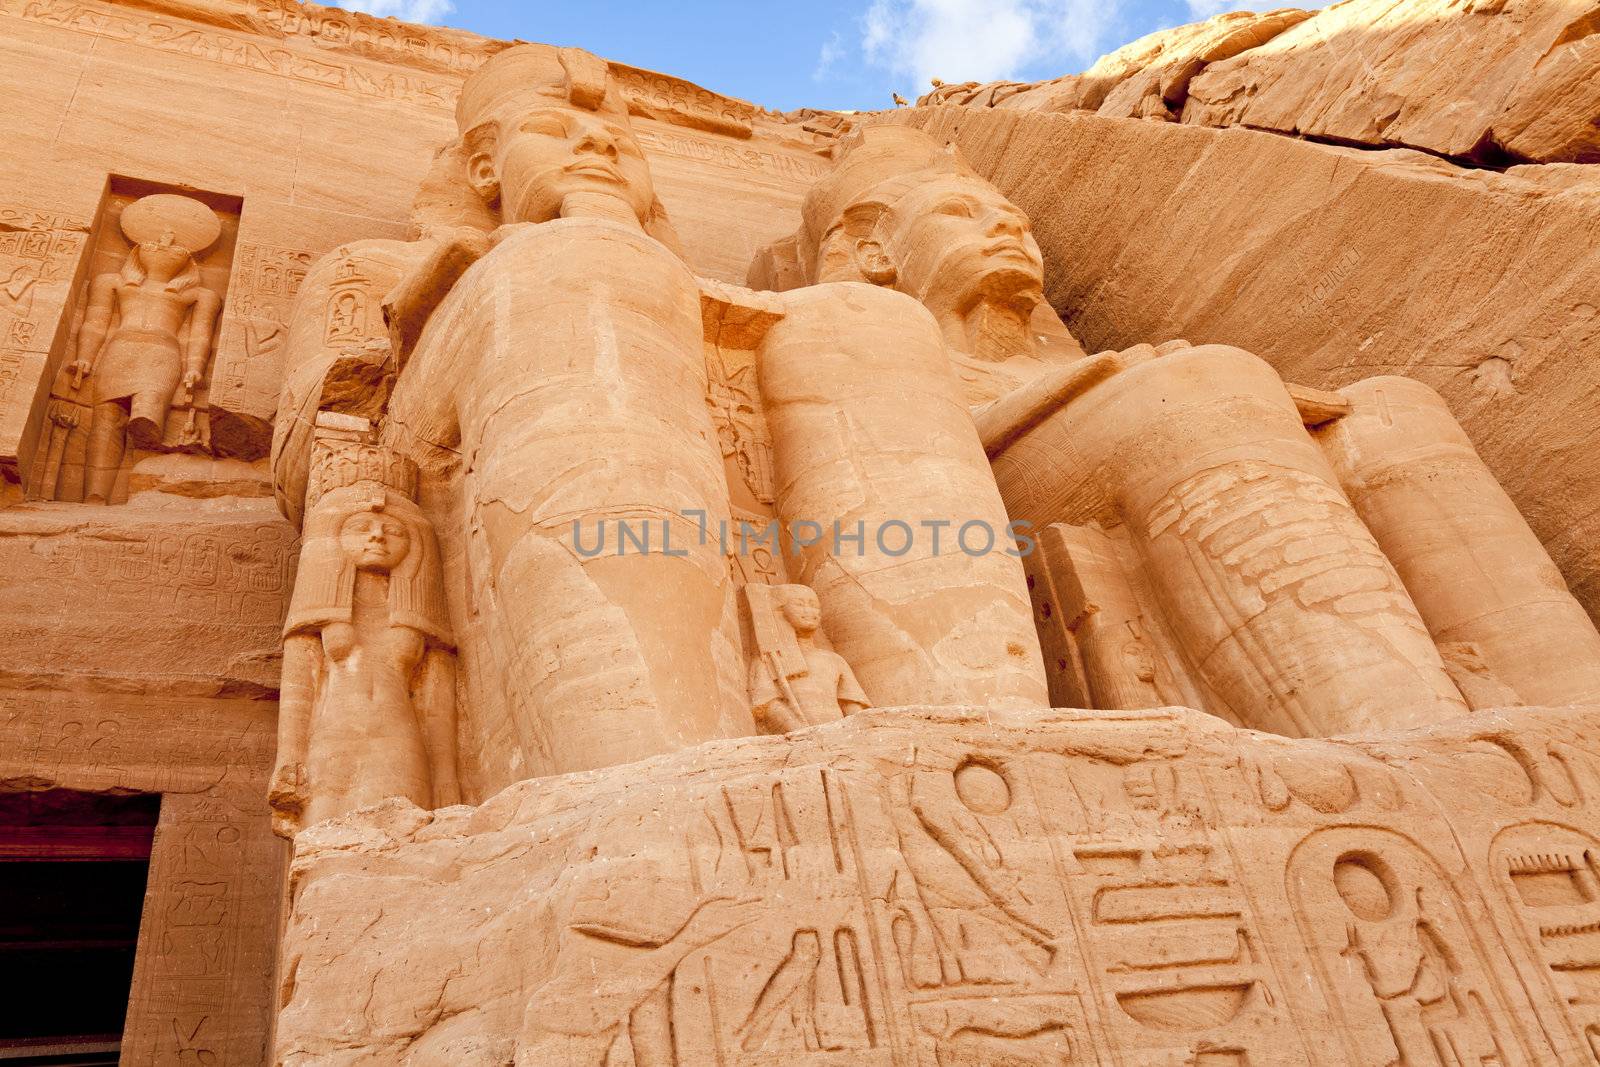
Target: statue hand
191 378
79 369
777 717
287 791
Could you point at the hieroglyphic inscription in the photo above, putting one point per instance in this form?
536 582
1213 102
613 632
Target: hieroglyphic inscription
733 156
332 32
1124 889
186 603
742 430
1549 875
39 250
683 103
199 560
1411 980
1167 932
819 987
166 744
400 42
246 52
207 922
255 324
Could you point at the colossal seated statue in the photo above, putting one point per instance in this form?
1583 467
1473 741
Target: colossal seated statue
1369 573
1211 553
552 385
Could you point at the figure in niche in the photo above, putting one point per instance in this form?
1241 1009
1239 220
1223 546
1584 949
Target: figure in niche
1433 1015
146 336
1121 665
368 701
794 682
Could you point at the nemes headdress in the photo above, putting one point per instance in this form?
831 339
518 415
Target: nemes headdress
507 81
874 164
509 84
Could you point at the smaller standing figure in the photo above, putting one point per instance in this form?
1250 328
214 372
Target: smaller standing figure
155 354
368 706
794 683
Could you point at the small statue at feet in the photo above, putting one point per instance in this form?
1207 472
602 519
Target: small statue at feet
368 708
796 683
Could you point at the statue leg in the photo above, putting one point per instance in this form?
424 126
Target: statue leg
1284 607
873 440
107 442
1476 570
147 420
602 627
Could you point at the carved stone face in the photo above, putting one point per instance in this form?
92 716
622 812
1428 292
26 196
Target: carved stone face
163 260
375 541
956 240
554 150
802 609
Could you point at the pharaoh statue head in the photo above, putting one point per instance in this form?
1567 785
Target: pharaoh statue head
545 134
901 210
361 516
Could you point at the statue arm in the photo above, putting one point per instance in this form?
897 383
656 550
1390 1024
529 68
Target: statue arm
436 703
96 322
197 345
1018 411
289 791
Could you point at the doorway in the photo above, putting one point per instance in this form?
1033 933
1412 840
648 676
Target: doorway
73 868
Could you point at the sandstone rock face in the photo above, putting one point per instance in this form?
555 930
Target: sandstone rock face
1310 256
142 653
1148 78
1485 81
441 460
914 886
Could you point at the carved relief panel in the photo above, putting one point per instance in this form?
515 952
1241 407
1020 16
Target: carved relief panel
39 256
250 348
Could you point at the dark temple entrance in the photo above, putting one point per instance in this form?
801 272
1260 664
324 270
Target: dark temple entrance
72 882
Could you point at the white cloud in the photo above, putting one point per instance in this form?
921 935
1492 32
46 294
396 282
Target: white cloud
408 10
828 57
983 40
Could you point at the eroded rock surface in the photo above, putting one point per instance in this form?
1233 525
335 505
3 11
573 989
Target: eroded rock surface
1484 81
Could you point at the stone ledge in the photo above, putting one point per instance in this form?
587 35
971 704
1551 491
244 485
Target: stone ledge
923 885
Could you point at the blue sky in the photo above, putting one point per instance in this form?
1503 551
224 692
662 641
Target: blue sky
823 53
